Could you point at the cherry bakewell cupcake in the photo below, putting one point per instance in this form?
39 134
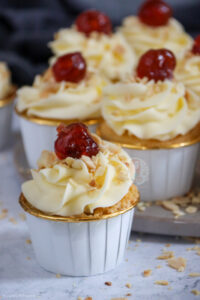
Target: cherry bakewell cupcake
157 120
188 68
80 203
105 51
7 96
65 93
154 28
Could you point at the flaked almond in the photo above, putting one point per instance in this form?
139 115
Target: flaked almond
191 209
194 274
47 159
161 282
128 285
195 292
28 241
58 275
147 273
12 220
177 263
109 283
166 255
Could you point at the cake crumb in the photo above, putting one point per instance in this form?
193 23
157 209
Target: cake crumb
147 273
166 255
191 209
161 282
28 241
128 285
12 220
194 274
178 263
109 283
58 275
129 294
195 292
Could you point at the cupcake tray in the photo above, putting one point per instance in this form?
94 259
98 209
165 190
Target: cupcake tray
154 219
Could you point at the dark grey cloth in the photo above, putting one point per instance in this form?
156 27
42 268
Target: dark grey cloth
27 25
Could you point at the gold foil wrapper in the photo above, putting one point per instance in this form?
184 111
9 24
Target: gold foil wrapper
53 122
132 142
72 219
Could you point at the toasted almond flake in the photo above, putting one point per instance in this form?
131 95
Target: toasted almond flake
12 220
167 245
191 209
166 255
194 274
22 216
109 283
147 273
58 275
161 282
4 210
28 241
158 267
129 294
169 205
88 298
79 298
178 263
141 208
195 292
128 285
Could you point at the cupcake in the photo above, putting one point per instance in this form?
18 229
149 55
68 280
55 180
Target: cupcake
188 68
67 91
7 95
80 203
154 28
157 120
107 52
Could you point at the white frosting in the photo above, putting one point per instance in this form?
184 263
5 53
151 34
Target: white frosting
188 72
110 55
150 110
5 80
142 37
74 186
64 100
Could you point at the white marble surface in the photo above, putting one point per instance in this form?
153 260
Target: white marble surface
22 278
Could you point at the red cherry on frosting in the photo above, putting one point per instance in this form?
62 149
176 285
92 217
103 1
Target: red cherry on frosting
156 64
155 13
69 67
93 20
74 141
196 45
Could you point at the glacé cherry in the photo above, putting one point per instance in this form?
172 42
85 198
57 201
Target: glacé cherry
74 141
196 45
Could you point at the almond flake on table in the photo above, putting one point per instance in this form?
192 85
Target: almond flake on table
58 275
88 298
166 255
194 274
12 220
191 209
22 216
158 267
128 285
177 263
79 298
3 216
109 283
161 282
28 241
147 273
195 292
